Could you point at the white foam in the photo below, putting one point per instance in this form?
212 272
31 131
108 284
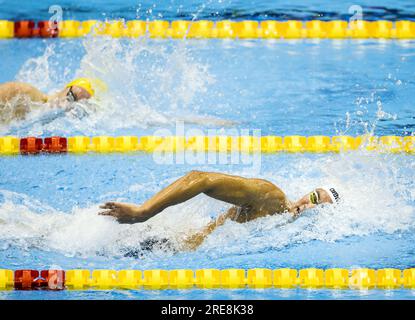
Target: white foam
83 232
150 84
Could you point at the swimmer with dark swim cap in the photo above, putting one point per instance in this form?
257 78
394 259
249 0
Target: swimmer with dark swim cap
20 95
252 198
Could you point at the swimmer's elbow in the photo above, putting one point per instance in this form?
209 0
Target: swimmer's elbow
193 242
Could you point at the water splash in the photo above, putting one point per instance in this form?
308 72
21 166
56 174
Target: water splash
364 118
377 197
39 71
151 84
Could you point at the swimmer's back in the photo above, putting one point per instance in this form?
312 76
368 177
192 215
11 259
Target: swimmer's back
260 195
11 90
17 99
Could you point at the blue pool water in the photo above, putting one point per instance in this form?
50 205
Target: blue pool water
48 204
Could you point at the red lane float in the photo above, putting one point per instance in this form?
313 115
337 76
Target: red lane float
52 279
46 279
24 29
31 145
48 29
28 29
25 279
55 145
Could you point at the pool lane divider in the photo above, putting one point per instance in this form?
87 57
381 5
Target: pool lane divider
205 29
11 145
79 279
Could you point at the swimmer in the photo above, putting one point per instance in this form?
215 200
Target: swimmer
251 199
17 97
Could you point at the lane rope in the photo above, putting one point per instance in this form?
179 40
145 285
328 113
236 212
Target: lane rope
259 278
204 29
11 145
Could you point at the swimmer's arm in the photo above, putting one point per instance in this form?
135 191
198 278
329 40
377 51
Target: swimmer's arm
12 89
195 240
235 190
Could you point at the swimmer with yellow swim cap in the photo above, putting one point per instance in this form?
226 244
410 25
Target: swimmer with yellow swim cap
251 199
79 89
21 95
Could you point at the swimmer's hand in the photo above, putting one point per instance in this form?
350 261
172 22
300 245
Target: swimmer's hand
125 212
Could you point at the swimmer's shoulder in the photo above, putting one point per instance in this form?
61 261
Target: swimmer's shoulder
267 185
9 90
16 86
271 196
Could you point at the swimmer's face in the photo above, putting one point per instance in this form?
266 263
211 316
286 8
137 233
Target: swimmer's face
75 93
311 200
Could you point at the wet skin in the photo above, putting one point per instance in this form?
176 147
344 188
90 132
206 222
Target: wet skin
251 199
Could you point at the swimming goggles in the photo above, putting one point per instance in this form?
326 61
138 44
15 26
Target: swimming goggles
314 197
70 96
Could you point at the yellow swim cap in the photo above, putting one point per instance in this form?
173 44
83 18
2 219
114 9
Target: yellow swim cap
84 83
